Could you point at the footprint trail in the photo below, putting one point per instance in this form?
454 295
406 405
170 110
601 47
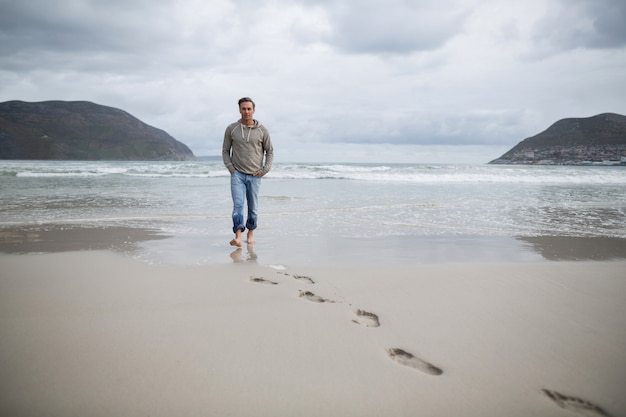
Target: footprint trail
368 319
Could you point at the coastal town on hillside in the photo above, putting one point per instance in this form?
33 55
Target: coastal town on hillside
606 155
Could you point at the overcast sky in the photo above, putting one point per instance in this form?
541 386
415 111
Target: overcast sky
425 81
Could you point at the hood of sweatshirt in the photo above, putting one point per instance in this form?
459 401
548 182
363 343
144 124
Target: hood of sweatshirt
242 126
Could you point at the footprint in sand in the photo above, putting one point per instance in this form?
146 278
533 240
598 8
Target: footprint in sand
407 359
262 281
575 404
308 295
366 319
304 279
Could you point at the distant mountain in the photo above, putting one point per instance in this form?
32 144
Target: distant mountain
81 130
599 139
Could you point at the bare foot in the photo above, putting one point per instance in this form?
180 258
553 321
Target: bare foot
236 242
250 238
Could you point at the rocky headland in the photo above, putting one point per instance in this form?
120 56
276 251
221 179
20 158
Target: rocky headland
597 140
81 130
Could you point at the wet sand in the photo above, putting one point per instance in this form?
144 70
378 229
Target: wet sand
155 246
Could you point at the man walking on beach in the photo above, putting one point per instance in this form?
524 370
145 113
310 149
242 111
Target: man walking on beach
248 154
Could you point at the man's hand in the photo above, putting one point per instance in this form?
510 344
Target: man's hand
258 174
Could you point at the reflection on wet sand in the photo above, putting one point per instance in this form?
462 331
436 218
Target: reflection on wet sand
568 248
66 238
237 254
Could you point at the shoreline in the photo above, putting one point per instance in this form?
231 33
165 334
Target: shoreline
155 246
98 333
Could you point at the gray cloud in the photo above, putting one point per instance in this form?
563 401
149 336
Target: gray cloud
118 36
73 26
583 24
462 129
393 26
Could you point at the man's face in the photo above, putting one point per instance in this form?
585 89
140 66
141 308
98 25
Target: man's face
247 111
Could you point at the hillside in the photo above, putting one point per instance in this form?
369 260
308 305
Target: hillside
599 139
81 130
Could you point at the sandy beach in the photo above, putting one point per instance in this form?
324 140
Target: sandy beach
98 333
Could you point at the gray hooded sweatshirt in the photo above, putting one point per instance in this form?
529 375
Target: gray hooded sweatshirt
245 147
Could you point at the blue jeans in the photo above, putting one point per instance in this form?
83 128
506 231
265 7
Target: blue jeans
244 187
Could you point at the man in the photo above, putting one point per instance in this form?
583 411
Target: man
248 154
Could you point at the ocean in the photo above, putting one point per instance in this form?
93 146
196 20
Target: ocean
322 213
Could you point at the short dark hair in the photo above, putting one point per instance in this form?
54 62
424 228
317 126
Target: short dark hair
247 100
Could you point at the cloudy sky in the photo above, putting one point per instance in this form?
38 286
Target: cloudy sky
334 80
